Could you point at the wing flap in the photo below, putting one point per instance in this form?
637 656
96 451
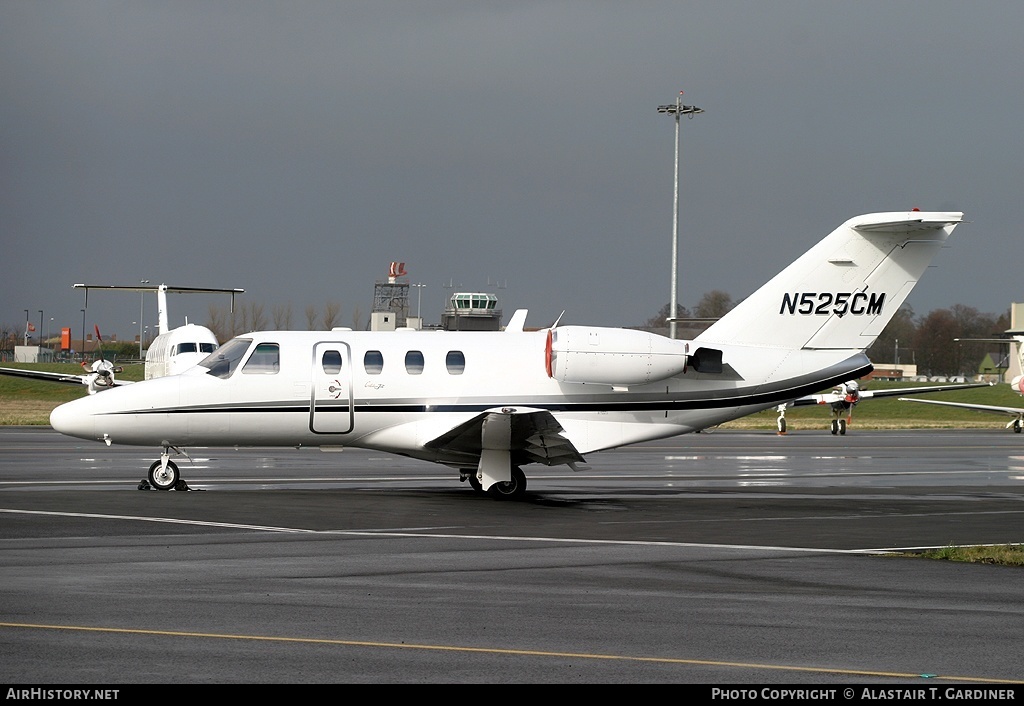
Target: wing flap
534 436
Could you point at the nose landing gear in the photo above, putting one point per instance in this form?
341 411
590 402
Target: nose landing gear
164 474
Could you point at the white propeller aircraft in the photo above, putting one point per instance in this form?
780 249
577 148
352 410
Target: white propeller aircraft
1016 384
848 395
171 352
100 375
487 403
174 350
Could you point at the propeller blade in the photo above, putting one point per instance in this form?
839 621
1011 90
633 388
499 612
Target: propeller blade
99 341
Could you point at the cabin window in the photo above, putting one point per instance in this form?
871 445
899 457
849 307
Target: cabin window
373 362
456 362
331 362
414 362
223 361
265 360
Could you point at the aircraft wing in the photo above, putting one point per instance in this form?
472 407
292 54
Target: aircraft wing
830 397
66 378
536 437
1011 411
923 390
822 398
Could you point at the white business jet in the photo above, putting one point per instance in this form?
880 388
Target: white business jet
1016 384
171 352
845 397
488 403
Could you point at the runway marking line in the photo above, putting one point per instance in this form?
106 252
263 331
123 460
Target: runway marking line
505 651
428 535
424 534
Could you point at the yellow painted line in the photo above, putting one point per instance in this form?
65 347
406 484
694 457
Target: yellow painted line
511 652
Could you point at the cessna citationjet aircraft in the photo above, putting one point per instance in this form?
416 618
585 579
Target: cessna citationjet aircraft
171 352
487 403
1017 385
848 395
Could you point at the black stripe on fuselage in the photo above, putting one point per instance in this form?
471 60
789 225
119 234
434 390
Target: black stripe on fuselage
735 399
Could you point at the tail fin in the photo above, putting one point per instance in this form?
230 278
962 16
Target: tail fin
842 292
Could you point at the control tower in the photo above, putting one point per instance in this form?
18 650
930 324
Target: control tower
472 311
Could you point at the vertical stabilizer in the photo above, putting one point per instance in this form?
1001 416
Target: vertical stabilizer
842 292
161 307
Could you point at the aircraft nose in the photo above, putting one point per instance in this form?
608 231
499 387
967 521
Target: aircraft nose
70 420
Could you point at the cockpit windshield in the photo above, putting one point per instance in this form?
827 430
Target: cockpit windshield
223 361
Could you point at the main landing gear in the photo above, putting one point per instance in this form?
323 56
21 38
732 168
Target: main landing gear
780 423
164 475
513 489
838 426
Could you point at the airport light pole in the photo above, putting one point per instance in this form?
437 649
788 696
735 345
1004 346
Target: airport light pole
26 327
676 110
82 352
419 299
40 334
142 301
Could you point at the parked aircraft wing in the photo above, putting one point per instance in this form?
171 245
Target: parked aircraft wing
831 397
1011 411
89 379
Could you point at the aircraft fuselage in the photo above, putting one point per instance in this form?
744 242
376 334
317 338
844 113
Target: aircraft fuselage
398 391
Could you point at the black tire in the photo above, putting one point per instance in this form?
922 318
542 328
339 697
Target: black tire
835 427
842 426
510 490
1016 426
782 426
474 482
164 480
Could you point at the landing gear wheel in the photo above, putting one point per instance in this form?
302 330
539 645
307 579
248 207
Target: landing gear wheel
835 427
782 425
842 426
475 483
1016 426
163 479
510 490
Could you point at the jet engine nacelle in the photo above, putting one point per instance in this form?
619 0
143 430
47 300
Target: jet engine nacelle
612 356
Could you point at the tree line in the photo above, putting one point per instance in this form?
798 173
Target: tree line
253 316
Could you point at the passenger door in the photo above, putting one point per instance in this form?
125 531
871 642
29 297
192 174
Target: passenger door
331 408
